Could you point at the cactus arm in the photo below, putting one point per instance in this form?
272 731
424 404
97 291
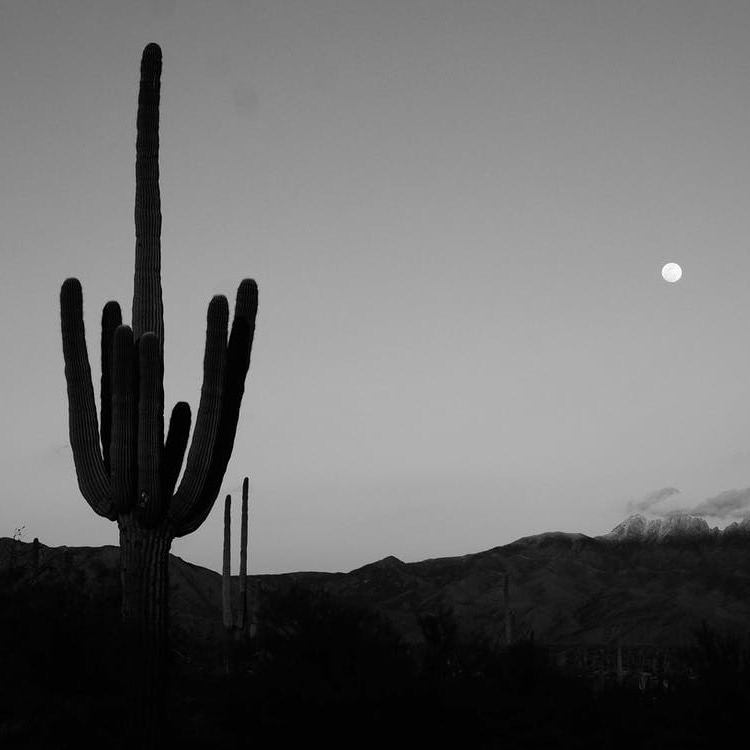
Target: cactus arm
175 445
111 318
246 306
148 308
124 450
82 422
237 363
150 505
209 411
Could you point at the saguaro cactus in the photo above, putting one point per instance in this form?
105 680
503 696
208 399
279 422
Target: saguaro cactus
226 584
242 607
226 567
234 623
126 471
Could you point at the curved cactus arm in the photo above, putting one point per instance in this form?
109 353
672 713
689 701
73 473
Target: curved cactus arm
246 306
124 450
209 413
175 445
111 318
82 422
150 506
148 308
238 362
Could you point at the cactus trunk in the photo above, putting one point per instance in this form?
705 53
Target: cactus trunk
144 574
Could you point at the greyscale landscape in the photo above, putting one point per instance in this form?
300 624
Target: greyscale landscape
636 638
499 369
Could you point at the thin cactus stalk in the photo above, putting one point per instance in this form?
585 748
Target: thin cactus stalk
226 585
235 622
127 470
226 570
242 607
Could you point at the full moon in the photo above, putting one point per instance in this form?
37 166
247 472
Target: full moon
671 272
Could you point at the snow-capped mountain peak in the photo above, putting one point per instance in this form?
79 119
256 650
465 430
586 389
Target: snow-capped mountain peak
676 526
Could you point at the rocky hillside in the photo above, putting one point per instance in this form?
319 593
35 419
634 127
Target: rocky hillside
573 589
649 583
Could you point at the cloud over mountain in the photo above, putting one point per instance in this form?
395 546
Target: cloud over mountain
730 503
648 502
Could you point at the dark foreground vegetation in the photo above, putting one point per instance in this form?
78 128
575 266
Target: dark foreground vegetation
321 672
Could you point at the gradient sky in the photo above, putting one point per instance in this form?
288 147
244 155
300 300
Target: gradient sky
456 212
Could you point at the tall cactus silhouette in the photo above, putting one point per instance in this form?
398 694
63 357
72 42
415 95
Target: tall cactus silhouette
126 470
226 567
226 585
242 606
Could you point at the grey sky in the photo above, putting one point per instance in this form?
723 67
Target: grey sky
457 214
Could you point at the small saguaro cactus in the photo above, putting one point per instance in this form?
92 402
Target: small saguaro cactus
234 625
242 610
226 584
126 470
238 623
226 567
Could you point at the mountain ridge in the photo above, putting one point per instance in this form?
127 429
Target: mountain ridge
673 527
642 583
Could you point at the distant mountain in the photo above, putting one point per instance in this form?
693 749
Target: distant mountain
648 582
573 589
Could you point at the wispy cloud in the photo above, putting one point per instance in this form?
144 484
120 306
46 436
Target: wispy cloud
648 502
730 503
